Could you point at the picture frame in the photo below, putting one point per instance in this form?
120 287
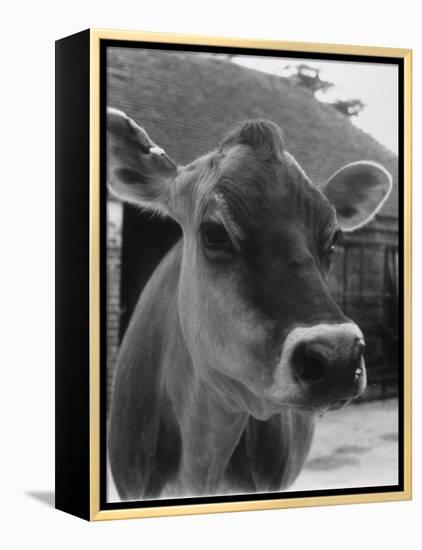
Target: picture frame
87 303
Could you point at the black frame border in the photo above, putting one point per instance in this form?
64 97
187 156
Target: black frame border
399 62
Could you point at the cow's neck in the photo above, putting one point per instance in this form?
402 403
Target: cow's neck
209 426
210 433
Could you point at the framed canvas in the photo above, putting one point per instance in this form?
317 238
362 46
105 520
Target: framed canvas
233 276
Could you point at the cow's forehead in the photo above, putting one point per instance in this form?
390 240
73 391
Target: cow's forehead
257 193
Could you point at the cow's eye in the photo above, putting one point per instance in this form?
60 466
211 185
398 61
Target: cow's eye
215 237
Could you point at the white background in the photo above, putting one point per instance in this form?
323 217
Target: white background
27 272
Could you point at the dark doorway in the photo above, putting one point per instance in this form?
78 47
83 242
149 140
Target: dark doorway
146 238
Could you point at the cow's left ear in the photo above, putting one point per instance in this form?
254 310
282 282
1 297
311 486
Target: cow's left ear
138 170
358 191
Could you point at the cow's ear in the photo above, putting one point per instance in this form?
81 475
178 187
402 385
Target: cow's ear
358 191
138 171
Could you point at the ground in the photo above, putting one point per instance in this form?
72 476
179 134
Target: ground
354 447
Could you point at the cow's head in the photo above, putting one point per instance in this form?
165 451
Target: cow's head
258 240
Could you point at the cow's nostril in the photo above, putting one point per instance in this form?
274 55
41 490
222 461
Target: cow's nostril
309 363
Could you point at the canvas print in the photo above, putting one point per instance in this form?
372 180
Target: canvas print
252 299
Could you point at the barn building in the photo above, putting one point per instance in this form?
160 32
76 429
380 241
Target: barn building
187 102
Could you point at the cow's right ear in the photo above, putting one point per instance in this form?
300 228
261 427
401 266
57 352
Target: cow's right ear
138 171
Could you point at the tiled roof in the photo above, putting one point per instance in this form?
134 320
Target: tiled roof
188 101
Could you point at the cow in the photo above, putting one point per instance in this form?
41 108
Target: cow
235 345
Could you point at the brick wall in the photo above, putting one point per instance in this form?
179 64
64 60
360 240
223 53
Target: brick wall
114 242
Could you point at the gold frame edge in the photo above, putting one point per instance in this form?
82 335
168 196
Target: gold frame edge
94 278
96 514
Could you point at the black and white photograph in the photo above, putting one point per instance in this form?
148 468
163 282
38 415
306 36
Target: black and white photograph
253 266
210 275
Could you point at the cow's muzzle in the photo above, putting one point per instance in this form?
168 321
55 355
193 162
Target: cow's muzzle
326 361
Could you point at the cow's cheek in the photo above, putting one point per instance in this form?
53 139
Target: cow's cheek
219 330
232 336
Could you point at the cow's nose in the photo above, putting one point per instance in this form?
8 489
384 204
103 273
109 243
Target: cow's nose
331 364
